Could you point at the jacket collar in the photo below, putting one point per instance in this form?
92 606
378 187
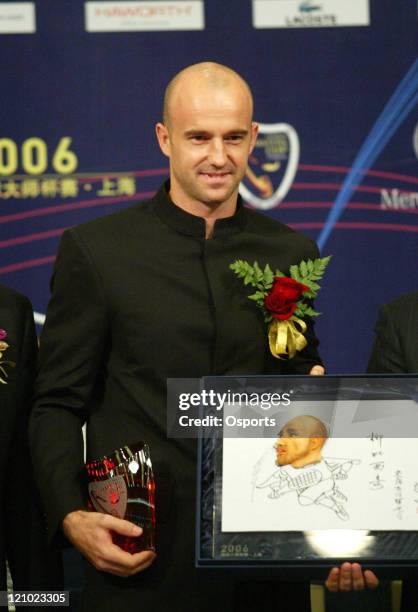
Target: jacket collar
191 225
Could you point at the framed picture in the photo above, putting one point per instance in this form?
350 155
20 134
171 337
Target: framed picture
309 472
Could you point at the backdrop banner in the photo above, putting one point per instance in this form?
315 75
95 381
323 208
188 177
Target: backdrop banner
336 90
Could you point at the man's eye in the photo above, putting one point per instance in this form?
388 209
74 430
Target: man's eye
198 137
235 137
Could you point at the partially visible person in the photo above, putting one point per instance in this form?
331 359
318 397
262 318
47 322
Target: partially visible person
22 532
350 577
395 351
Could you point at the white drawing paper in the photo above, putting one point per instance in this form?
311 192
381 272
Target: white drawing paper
351 483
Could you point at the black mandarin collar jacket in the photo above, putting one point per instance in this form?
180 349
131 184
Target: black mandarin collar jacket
138 297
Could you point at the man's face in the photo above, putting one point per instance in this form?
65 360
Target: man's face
208 140
300 441
291 449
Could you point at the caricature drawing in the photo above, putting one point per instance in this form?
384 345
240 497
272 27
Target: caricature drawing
302 469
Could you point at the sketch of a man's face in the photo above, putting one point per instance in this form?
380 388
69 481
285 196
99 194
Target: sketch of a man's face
300 442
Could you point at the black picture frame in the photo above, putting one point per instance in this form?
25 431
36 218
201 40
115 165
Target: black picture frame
390 553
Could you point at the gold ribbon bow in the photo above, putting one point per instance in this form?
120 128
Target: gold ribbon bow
285 339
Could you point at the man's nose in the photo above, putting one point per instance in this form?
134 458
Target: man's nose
217 153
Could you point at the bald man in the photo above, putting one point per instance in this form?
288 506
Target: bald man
141 296
300 441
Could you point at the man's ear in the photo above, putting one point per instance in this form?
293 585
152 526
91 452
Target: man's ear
254 134
163 138
316 443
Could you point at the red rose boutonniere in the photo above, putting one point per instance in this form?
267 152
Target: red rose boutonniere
284 300
3 363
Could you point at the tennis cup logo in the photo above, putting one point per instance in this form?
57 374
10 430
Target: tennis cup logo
272 166
109 496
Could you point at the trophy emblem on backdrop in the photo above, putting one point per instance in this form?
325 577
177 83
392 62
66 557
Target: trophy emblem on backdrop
272 166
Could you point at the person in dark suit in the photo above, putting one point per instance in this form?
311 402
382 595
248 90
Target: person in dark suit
141 296
395 348
22 530
395 351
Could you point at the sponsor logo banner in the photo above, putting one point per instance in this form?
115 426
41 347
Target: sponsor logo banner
310 13
396 199
17 18
272 165
138 16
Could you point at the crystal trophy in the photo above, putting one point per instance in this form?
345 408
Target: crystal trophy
122 484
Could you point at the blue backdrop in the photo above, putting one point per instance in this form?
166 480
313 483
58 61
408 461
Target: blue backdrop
77 141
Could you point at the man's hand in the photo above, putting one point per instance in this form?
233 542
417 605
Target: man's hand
350 577
317 370
90 532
